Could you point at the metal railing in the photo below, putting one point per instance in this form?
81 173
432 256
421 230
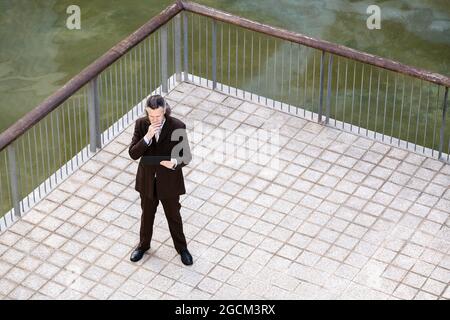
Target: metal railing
329 83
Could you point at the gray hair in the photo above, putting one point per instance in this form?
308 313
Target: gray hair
157 101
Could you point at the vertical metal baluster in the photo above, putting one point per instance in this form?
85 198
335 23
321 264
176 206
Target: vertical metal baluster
160 77
418 114
345 93
385 104
206 52
237 62
221 56
214 54
131 72
112 101
330 70
122 113
81 127
426 118
106 97
448 150
75 127
192 46
267 68
53 149
337 89
24 176
368 101
229 58
102 101
410 111
289 81
353 95
393 109
145 73
251 69
150 73
401 112
70 136
140 108
297 96
61 147
275 72
360 99
282 76
243 67
42 155
155 64
64 123
2 197
320 111
376 110
2 201
21 176
36 158
444 112
200 49
306 82
47 147
136 85
173 71
116 106
126 73
259 67
86 124
136 91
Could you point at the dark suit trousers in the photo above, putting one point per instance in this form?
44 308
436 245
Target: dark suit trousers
172 208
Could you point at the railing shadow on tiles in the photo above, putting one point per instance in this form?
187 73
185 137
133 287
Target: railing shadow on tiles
334 85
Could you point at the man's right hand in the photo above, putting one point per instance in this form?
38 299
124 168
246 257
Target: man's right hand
152 129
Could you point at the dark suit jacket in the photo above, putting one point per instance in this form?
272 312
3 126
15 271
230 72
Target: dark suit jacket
169 183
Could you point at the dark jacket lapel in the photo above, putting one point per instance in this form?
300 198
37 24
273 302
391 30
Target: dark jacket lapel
165 129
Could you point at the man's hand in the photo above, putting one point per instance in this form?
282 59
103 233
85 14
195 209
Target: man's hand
152 129
168 164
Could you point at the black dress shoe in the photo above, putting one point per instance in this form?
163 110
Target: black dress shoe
186 257
137 255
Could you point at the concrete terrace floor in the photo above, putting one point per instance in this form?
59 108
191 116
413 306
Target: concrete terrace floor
341 217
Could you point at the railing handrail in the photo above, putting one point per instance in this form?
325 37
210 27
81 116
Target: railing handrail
90 72
113 54
317 44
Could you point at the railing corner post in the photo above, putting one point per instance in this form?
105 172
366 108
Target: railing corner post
178 47
13 179
164 59
185 46
320 112
214 53
442 131
330 74
94 116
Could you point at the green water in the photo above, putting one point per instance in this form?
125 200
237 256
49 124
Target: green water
38 54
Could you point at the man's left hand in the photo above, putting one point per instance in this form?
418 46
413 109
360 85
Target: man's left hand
168 164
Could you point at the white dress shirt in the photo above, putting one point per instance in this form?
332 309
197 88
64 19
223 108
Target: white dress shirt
157 133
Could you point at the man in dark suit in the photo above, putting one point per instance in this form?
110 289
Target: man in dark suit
160 141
